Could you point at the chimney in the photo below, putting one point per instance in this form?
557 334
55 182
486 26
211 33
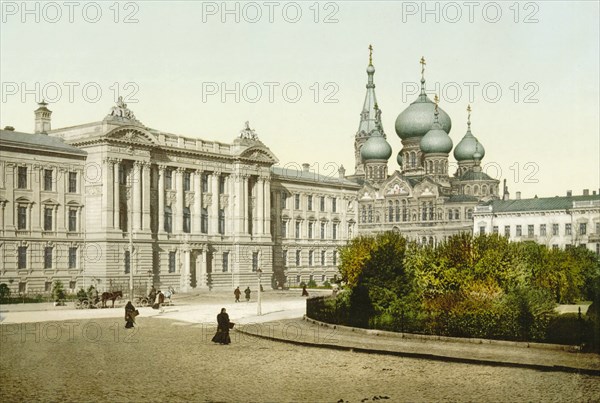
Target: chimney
518 195
12 129
505 194
305 167
569 193
586 192
342 172
42 118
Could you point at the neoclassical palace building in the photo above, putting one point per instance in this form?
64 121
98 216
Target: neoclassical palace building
115 203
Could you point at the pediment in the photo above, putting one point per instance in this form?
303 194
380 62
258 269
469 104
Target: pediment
132 134
397 186
427 188
259 154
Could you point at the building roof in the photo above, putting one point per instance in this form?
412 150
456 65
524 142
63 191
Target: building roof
539 204
461 199
475 176
308 176
41 142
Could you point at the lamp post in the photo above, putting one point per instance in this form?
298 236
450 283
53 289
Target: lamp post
130 207
259 308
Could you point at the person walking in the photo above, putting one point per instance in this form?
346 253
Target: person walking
223 326
237 294
130 314
304 292
247 292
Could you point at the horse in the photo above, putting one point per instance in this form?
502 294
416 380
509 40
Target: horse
112 296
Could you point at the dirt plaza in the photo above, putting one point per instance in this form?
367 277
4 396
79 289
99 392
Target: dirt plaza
163 359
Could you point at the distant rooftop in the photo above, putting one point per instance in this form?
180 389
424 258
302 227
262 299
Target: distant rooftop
43 142
309 176
538 204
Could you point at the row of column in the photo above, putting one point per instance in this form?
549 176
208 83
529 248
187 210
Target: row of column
238 212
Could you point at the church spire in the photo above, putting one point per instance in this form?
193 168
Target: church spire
423 64
370 116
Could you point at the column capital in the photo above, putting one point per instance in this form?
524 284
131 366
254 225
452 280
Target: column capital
180 170
162 167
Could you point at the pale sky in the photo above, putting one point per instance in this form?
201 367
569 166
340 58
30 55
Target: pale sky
173 62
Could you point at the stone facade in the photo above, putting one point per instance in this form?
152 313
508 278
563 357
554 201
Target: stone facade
557 222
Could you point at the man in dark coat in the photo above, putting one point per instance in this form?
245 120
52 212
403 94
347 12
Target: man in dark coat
223 326
247 292
237 294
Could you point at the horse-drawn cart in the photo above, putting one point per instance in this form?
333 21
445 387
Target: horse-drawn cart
98 302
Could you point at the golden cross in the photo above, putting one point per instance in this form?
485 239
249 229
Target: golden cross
370 54
469 116
423 64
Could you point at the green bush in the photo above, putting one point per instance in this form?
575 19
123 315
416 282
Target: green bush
326 284
58 291
572 329
4 292
312 284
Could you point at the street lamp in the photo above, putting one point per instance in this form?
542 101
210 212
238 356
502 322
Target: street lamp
130 207
259 308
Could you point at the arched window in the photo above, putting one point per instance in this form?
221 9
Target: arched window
437 167
476 190
430 205
364 214
404 211
413 160
469 214
390 211
397 205
370 213
449 214
484 189
424 211
456 214
468 189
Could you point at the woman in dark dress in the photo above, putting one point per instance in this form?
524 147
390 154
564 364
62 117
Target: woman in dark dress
130 314
223 326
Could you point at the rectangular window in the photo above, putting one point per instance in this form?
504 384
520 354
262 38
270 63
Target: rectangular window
168 213
495 229
221 185
555 247
323 257
225 262
48 257
582 228
298 257
72 182
310 257
482 230
335 258
187 220
284 229
204 221
221 221
554 229
22 258
322 204
172 257
127 261
72 220
22 217
310 201
72 258
311 226
567 229
48 180
519 230
22 177
322 230
254 261
334 231
297 201
334 205
542 229
48 219
48 286
530 231
187 181
168 179
297 229
283 200
285 258
204 183
22 287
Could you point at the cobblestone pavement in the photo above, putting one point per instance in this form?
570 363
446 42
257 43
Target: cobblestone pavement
53 356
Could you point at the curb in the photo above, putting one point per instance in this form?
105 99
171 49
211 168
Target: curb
431 357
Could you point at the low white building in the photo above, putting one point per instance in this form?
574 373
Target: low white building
557 222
